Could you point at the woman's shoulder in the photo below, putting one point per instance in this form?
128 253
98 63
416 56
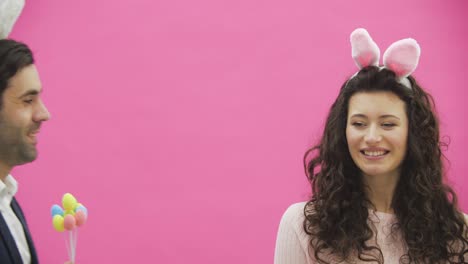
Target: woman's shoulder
294 212
292 242
293 218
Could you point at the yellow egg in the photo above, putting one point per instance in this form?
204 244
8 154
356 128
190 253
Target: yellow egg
69 202
57 221
68 212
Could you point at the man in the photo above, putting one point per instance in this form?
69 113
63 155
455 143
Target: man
21 115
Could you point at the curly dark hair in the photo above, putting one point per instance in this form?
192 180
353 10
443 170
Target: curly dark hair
425 207
14 56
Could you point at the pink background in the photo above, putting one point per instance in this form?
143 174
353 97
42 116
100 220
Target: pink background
181 124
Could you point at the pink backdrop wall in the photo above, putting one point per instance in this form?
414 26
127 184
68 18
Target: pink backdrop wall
182 124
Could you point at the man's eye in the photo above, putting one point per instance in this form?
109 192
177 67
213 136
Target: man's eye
29 101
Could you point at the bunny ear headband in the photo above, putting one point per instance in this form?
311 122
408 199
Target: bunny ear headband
401 57
10 10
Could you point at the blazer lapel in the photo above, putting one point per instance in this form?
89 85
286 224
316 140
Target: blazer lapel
10 243
19 213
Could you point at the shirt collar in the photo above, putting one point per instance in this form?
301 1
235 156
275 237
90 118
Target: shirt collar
8 187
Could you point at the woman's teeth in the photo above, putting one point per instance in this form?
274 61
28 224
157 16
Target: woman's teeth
374 153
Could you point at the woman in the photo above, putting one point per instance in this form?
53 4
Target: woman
377 174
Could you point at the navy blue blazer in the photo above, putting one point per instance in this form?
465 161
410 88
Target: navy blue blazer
9 253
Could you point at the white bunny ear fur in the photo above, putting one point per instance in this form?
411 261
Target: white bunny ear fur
402 57
10 10
365 51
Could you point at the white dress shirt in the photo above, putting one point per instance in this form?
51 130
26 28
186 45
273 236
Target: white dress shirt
8 189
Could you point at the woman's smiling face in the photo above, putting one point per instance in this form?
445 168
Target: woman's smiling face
377 132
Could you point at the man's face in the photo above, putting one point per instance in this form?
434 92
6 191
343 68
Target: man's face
21 114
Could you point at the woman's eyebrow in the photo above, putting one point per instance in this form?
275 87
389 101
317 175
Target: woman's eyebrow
382 116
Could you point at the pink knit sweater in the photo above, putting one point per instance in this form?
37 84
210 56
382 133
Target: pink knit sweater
292 244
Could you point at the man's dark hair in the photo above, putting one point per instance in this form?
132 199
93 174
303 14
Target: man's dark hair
14 56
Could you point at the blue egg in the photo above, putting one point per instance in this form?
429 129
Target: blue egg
56 210
82 208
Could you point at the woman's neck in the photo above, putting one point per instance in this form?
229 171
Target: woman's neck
380 190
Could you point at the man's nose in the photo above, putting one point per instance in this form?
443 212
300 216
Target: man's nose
41 114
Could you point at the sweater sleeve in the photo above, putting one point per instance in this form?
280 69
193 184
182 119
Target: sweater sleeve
292 241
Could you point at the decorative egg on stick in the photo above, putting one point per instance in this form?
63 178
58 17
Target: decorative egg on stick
69 218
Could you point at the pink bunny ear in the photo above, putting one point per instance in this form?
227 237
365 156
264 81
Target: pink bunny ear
364 50
402 57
